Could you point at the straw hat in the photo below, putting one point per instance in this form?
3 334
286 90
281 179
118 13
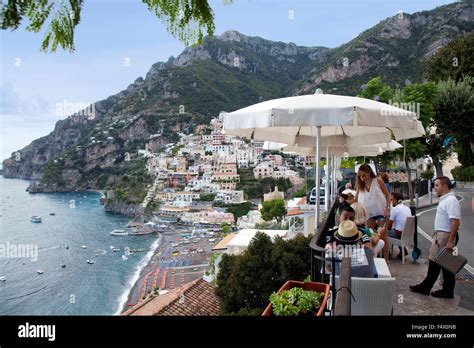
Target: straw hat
347 232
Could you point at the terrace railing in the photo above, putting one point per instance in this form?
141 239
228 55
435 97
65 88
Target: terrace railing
341 297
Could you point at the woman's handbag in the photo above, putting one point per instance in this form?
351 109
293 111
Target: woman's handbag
453 263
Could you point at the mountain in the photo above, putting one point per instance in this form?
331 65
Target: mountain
97 148
395 49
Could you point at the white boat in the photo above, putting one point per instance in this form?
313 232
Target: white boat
90 262
84 247
115 249
39 271
36 219
3 279
124 257
119 233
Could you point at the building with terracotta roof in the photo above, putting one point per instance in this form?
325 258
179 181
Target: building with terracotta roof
193 299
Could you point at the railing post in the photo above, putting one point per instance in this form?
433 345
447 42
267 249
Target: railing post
342 305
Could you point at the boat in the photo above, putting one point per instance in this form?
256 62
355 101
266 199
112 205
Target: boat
124 257
119 233
3 279
115 249
63 265
39 271
52 214
84 247
36 219
90 262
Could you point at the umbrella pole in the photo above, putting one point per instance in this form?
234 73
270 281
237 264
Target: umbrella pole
318 160
334 178
326 184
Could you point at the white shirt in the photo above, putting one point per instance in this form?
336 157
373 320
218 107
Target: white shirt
448 208
399 215
374 200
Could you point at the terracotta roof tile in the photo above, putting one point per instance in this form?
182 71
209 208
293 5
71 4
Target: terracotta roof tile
197 300
193 299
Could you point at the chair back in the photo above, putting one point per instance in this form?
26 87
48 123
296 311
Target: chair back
408 232
373 296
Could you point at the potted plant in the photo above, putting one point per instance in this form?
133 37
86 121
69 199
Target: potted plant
298 298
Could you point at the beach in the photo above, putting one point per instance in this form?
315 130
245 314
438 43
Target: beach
181 256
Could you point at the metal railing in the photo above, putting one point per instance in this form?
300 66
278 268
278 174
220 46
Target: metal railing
317 244
341 297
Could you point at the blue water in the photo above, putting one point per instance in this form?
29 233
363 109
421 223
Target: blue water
79 288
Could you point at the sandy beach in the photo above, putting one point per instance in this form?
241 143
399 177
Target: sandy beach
180 257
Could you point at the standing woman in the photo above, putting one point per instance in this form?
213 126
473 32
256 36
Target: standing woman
373 194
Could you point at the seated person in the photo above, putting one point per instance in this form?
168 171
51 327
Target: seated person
360 219
397 220
350 193
349 241
341 199
346 213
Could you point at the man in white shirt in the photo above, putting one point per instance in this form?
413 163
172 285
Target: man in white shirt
397 220
447 221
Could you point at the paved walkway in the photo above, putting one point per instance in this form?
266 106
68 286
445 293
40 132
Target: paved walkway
406 302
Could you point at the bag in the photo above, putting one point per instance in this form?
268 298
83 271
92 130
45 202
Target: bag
453 263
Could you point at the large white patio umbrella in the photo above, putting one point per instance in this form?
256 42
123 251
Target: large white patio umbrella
323 120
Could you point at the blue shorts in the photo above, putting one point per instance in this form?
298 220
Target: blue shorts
394 234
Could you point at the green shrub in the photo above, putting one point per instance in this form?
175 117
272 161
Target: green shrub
463 173
246 281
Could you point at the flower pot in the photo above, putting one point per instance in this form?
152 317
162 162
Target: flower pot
311 286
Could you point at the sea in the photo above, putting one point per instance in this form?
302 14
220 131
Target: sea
78 231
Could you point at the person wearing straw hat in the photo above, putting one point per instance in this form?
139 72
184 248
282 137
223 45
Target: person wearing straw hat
354 244
346 214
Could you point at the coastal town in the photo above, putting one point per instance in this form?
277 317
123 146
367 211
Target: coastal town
195 181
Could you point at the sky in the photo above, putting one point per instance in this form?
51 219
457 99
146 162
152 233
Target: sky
118 40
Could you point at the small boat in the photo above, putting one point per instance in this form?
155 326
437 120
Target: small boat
84 247
3 279
115 249
35 219
124 257
39 271
63 265
90 262
52 214
119 233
